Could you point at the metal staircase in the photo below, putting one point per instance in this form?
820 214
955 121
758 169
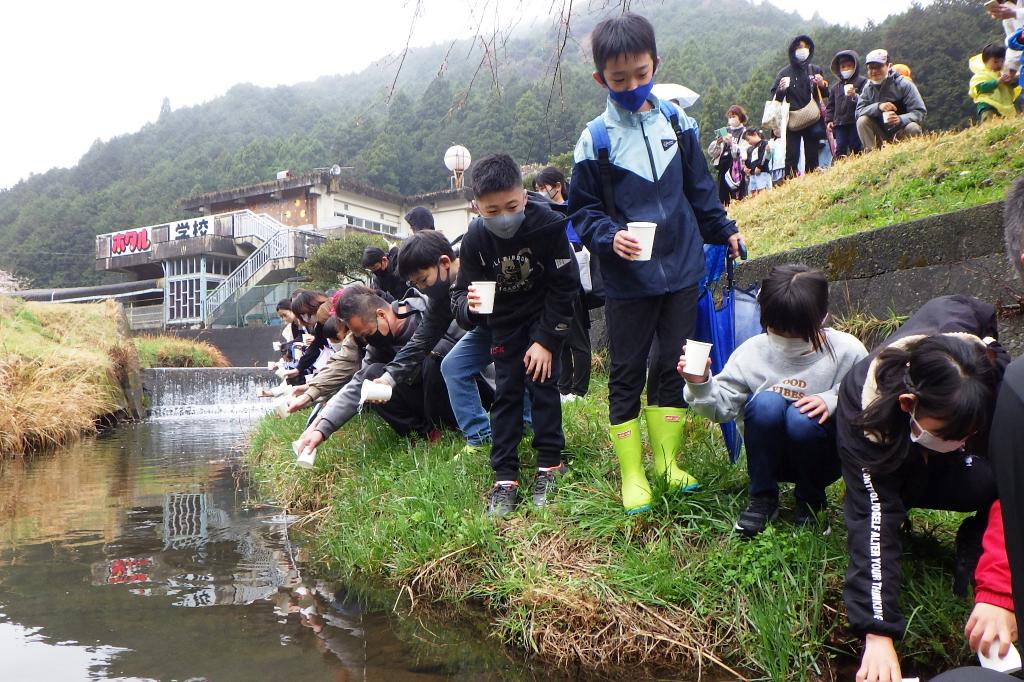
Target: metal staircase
280 250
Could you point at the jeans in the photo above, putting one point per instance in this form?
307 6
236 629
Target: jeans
785 445
460 368
847 140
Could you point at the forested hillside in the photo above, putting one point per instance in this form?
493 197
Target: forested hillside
728 50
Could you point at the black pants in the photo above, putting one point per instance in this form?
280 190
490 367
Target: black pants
420 406
575 375
632 324
811 137
507 350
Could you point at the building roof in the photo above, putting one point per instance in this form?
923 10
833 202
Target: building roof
320 177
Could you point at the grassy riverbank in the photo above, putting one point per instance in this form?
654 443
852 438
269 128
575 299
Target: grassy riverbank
172 351
583 585
925 176
62 367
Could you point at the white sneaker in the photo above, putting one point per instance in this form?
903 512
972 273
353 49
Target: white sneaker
569 398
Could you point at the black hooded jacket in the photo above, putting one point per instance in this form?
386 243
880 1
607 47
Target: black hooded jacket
535 270
800 88
884 478
842 110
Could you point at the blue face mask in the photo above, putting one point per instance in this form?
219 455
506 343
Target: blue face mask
632 99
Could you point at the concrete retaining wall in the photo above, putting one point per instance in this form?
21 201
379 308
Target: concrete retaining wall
899 267
243 346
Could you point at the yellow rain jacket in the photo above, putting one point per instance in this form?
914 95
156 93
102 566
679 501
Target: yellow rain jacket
1000 98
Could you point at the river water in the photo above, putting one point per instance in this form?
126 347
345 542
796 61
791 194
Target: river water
144 554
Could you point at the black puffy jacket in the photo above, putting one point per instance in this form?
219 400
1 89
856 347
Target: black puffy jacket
800 89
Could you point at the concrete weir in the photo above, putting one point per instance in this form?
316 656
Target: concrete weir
206 391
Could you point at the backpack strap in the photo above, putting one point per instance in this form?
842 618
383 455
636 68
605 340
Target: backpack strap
602 147
672 114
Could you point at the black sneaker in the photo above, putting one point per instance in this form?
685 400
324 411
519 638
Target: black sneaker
502 500
546 483
761 511
812 516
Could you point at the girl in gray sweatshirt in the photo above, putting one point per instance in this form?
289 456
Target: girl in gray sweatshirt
782 388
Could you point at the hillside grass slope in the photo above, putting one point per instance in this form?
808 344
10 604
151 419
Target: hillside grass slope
925 176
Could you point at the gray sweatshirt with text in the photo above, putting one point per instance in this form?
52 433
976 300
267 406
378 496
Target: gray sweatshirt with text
762 363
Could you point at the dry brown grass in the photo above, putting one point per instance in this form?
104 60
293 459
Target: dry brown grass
61 369
924 176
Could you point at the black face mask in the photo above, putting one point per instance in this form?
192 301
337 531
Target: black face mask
376 338
440 287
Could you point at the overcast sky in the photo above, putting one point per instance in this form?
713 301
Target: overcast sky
76 71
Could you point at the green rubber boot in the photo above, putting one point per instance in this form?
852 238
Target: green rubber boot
665 428
636 492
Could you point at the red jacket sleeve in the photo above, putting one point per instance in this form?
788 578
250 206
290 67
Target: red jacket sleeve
992 576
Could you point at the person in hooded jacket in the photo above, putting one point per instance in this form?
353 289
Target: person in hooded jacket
801 83
912 431
841 110
890 107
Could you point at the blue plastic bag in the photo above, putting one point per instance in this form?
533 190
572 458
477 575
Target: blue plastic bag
727 324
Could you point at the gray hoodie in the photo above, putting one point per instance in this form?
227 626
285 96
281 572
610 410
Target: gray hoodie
896 89
762 363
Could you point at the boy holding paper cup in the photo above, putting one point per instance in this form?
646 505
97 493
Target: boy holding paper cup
521 246
645 165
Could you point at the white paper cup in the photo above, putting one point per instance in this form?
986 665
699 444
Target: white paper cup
308 339
272 366
374 391
485 290
644 233
277 346
849 90
281 406
697 353
280 372
304 459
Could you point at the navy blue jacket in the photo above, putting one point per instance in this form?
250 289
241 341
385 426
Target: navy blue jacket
650 183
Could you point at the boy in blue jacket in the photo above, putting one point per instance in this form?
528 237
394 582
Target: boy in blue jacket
655 172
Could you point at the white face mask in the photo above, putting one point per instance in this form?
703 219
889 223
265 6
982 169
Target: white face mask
929 440
790 347
847 73
801 54
734 122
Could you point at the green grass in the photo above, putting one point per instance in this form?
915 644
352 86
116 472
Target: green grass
173 351
581 584
921 177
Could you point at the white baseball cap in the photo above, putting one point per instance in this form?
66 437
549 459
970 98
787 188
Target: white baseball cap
877 57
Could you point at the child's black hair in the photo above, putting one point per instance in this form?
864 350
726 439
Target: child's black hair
495 173
993 51
422 250
284 304
372 255
953 379
335 329
549 177
627 34
750 132
794 300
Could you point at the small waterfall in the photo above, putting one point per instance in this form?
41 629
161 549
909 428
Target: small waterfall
175 392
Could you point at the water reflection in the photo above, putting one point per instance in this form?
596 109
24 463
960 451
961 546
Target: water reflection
145 555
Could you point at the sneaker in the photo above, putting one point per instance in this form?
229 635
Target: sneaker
569 398
546 483
471 451
761 511
502 499
812 516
